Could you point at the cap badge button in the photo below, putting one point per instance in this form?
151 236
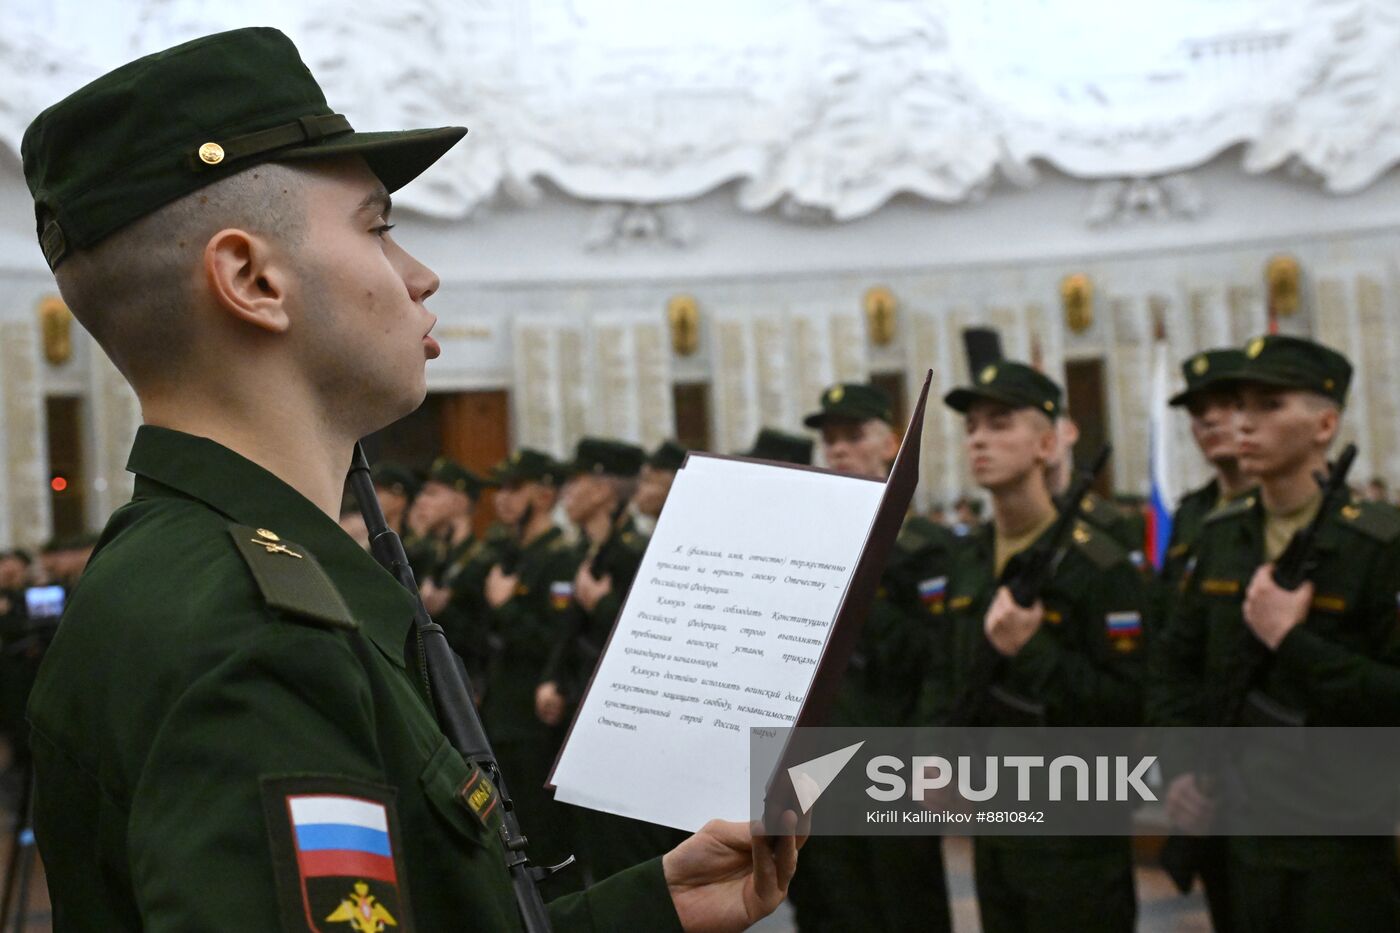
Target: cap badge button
211 153
1200 366
988 374
835 395
1256 346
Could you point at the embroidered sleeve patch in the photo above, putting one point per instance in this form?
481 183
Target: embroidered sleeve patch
1124 629
335 853
561 593
933 591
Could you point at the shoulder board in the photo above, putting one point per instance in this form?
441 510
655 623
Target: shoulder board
919 533
290 578
1232 509
1096 545
1374 519
1094 510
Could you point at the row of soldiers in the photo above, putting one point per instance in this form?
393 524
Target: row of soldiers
1110 643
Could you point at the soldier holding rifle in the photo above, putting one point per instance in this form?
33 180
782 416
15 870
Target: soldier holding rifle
1323 649
1053 642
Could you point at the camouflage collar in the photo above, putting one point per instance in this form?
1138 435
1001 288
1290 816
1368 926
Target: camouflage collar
249 495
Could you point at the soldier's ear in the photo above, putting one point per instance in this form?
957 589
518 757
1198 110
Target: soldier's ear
1329 422
246 279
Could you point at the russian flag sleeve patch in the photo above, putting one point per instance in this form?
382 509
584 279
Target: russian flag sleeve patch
335 846
1124 629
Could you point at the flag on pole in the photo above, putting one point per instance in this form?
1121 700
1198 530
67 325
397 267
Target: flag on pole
1161 455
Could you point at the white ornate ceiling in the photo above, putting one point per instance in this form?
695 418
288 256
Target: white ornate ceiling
821 109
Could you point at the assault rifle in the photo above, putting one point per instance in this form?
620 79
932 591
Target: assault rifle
1025 577
451 691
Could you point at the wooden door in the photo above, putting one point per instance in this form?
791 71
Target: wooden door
1084 380
475 431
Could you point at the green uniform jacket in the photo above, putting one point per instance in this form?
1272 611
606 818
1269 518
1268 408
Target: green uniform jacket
1340 667
1187 522
891 660
525 629
207 682
1084 667
586 632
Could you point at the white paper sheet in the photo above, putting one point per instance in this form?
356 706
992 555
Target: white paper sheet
721 632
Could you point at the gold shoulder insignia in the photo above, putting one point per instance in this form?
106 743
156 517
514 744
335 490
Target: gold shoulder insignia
1231 509
1101 549
1377 520
290 578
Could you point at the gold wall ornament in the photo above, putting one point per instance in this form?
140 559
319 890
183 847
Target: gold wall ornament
1281 276
1077 297
683 315
56 326
880 307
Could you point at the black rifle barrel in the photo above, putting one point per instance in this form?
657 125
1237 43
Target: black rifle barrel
1035 572
452 695
1295 564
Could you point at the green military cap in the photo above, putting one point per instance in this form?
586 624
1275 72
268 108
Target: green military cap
777 445
1205 370
165 125
396 477
1011 383
1296 363
855 401
528 465
614 458
453 474
668 456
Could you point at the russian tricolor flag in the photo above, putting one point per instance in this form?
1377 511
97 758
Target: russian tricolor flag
1161 455
341 836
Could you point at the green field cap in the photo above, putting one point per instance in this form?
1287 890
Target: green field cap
1296 363
604 457
772 444
451 473
669 455
1014 384
528 465
170 123
1209 369
852 401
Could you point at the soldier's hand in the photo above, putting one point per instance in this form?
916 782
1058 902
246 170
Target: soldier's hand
549 704
729 876
500 586
1188 807
435 598
589 590
1270 611
1008 626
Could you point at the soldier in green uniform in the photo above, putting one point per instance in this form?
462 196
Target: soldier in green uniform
602 482
453 591
1329 651
861 882
1128 530
1073 659
526 595
780 446
231 729
1211 398
395 485
654 484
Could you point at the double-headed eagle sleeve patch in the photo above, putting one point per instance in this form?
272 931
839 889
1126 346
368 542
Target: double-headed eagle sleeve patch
336 853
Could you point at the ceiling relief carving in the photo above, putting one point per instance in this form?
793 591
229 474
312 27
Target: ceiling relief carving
819 110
